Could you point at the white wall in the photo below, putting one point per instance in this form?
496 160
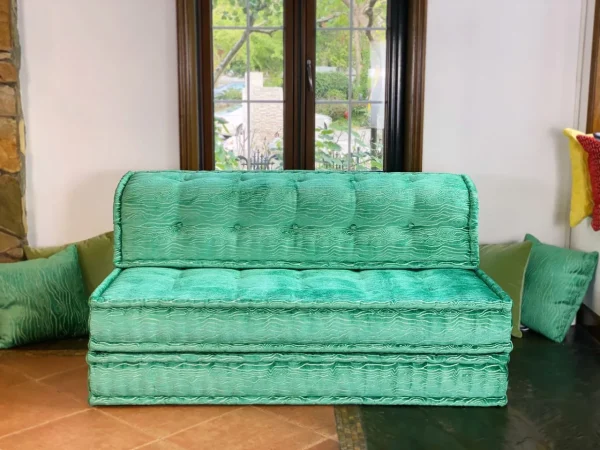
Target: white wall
99 91
501 83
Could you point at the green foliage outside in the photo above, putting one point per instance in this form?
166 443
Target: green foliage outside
224 159
230 94
331 85
329 154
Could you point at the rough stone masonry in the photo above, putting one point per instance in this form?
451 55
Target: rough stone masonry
13 231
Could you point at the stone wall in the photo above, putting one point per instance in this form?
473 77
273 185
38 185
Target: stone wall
13 229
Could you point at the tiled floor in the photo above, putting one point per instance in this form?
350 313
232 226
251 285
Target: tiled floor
43 405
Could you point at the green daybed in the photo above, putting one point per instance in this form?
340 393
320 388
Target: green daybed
299 288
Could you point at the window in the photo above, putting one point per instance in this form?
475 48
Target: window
290 84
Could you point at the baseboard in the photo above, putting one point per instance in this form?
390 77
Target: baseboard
589 320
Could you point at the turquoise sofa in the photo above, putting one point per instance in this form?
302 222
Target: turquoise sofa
298 288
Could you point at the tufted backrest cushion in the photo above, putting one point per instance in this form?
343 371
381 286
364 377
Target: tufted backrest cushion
296 219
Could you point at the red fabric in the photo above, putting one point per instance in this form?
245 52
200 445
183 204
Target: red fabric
592 146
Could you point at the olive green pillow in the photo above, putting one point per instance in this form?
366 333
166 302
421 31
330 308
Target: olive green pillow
556 282
506 265
95 258
42 299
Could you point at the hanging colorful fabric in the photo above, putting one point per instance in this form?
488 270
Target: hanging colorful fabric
582 204
592 147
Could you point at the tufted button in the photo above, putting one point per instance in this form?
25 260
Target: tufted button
411 225
178 226
294 227
237 227
352 227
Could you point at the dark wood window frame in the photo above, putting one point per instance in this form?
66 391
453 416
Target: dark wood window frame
403 131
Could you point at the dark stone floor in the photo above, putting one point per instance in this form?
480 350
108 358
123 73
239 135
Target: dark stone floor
553 403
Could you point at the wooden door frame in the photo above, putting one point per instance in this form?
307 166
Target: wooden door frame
403 135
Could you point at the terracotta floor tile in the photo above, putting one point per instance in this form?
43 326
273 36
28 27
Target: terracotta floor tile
73 382
87 430
318 418
10 377
160 421
43 363
247 428
28 404
329 444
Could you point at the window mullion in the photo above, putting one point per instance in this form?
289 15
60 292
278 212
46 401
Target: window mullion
205 80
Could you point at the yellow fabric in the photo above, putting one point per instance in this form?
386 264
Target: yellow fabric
581 190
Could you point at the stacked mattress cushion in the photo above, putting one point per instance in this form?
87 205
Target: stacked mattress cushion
298 287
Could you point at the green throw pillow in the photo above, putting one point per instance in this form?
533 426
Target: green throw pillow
506 265
95 258
42 299
555 285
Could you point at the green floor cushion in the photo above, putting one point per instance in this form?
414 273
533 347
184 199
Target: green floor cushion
272 310
292 378
556 282
506 265
42 299
296 220
95 258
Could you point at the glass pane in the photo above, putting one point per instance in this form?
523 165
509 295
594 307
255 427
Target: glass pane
266 65
368 64
229 13
367 136
229 64
331 69
230 125
331 136
332 13
266 13
339 147
375 17
264 143
257 147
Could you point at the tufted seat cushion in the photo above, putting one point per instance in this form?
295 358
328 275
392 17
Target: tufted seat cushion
296 220
272 310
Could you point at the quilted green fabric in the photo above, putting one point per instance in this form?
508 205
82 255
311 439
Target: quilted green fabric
556 282
42 299
270 378
271 310
296 220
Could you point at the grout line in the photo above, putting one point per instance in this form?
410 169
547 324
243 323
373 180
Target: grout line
45 423
285 419
124 422
309 446
20 372
168 435
154 442
202 422
45 377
